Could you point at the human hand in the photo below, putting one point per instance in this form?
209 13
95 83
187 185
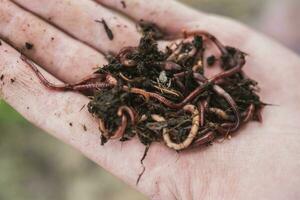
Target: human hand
262 162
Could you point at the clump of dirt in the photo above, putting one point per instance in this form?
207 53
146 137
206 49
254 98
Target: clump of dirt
165 95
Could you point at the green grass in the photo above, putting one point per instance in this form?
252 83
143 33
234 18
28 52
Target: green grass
9 115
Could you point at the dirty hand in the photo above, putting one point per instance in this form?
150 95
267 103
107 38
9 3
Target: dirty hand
68 44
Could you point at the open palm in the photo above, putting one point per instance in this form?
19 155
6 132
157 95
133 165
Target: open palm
261 162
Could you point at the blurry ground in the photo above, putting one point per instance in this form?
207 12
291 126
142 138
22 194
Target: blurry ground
33 165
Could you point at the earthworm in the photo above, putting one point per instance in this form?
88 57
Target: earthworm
87 83
102 128
165 90
125 78
90 86
221 92
204 139
180 74
169 66
220 113
137 91
122 57
220 46
157 118
165 101
199 77
126 50
201 111
175 53
133 80
223 49
258 114
45 82
249 113
110 80
121 129
186 55
192 134
197 66
129 111
179 83
226 74
128 62
225 128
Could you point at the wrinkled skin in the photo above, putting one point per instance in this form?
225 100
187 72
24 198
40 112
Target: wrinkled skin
261 162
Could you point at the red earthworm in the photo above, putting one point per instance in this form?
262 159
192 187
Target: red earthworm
45 82
220 113
125 78
110 80
184 56
220 46
199 77
201 111
130 112
198 66
187 99
87 83
157 118
128 62
218 76
175 53
90 86
125 50
165 101
258 114
133 80
102 128
206 138
223 49
179 84
121 129
180 74
122 57
137 91
221 92
249 113
194 93
226 74
169 66
225 128
192 134
227 125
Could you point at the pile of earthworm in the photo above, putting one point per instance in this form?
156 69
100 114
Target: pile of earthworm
166 96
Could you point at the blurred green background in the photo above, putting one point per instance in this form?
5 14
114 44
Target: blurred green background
33 165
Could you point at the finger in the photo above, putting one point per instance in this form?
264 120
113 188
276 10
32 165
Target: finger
231 33
174 17
58 53
61 114
169 15
77 18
